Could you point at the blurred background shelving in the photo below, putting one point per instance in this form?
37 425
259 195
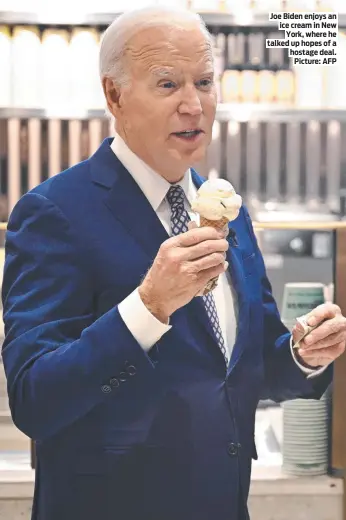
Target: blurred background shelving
279 128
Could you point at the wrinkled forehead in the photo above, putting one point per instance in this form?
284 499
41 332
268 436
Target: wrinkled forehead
163 50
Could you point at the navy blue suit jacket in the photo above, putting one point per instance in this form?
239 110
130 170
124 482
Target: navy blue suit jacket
120 433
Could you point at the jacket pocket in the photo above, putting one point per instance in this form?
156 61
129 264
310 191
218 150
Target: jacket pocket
143 481
102 462
102 483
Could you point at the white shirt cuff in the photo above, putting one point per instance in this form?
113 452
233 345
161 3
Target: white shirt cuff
144 327
310 372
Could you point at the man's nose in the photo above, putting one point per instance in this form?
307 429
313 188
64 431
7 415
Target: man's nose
190 102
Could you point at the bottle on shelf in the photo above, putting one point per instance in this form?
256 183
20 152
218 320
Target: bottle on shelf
55 72
265 78
266 86
86 90
219 47
231 79
255 47
276 61
249 87
247 78
276 56
26 67
230 86
236 55
285 87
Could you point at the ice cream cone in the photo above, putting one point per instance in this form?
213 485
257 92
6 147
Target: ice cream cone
218 225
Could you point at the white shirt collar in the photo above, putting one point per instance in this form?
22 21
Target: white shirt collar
153 186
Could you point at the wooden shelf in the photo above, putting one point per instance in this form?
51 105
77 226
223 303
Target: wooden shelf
314 226
240 112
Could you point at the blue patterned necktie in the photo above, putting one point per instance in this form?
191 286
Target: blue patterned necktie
179 222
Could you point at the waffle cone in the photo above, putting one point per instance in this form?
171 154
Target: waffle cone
216 224
219 225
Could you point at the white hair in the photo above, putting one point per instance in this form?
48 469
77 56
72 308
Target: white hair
127 25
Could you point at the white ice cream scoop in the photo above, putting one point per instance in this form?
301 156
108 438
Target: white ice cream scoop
216 199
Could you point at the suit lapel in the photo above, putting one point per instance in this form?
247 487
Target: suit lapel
236 268
126 201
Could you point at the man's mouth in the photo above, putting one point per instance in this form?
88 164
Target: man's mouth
188 134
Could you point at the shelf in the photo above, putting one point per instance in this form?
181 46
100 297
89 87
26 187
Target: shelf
225 112
103 19
40 113
281 114
295 225
248 66
230 20
278 225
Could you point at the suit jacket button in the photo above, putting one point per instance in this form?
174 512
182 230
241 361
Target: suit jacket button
131 370
106 389
233 449
122 377
114 382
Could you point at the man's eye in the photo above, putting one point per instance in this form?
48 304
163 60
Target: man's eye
205 82
167 85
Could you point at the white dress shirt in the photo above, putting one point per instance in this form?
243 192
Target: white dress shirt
144 327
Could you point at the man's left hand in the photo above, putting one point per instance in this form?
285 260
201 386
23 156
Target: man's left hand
325 343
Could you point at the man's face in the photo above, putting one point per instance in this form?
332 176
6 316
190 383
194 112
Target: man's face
172 91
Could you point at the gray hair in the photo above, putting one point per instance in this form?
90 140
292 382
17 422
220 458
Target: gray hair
124 27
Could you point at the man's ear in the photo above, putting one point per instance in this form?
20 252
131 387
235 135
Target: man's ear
112 95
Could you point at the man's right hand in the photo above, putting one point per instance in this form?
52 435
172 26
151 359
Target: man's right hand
182 268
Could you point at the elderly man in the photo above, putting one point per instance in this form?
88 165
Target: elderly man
115 367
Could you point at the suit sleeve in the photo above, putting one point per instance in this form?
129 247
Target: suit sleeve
60 362
284 380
